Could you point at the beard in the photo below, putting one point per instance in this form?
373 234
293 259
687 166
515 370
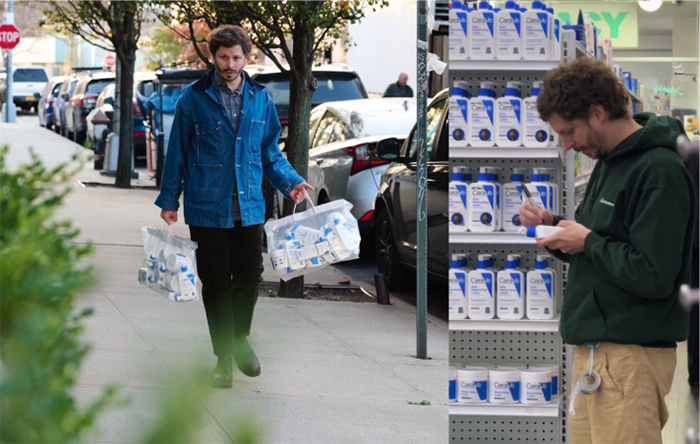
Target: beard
228 74
595 146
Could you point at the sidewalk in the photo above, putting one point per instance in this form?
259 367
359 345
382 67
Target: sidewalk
332 372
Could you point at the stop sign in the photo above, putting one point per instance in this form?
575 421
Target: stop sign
110 60
9 36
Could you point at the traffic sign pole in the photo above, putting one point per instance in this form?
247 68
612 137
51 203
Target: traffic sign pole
9 38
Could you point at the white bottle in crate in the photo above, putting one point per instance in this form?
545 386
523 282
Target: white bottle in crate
458 42
510 301
458 287
536 41
512 201
509 123
459 115
541 290
483 206
482 120
482 38
458 194
538 133
481 299
509 39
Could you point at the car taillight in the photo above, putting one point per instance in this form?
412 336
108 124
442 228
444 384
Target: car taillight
139 133
361 159
137 109
367 216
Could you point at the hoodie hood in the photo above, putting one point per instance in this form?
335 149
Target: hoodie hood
657 132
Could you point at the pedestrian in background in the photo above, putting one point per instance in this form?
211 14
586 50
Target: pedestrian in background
400 88
629 251
223 142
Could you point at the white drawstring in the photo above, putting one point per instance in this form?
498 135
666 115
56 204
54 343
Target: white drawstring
582 386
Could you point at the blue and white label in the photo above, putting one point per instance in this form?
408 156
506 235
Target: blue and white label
458 294
512 201
482 121
453 390
537 132
540 294
504 392
473 391
509 122
458 204
511 294
482 39
483 207
458 42
536 392
459 121
480 297
536 40
509 39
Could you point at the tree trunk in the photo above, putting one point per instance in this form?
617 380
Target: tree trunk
127 56
301 89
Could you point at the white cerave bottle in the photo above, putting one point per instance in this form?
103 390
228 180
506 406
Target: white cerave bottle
458 41
481 297
509 124
513 199
459 115
511 290
458 197
481 30
482 121
458 287
509 39
536 42
541 191
483 208
538 133
556 35
541 290
499 197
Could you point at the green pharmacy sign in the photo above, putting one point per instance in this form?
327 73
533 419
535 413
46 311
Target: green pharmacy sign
615 20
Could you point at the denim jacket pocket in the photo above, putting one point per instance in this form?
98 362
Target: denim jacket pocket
204 182
210 143
255 136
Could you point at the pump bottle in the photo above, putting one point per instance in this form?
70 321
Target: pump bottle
510 301
509 38
482 117
482 39
541 290
459 115
458 42
481 298
458 287
512 201
509 115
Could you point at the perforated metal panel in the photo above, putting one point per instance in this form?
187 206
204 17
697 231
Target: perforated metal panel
487 429
508 346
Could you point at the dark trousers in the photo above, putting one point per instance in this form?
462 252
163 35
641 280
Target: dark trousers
230 265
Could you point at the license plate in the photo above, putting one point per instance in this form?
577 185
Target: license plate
29 98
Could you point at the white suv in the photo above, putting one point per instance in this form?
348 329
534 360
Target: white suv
28 82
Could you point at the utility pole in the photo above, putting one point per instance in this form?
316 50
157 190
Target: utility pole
9 111
422 184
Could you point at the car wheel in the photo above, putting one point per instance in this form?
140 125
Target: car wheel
387 255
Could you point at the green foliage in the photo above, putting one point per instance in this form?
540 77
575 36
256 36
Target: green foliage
423 402
41 269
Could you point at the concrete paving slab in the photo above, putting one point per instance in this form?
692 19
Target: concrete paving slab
128 368
292 420
113 333
129 424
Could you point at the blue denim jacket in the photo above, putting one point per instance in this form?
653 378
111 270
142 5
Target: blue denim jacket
200 159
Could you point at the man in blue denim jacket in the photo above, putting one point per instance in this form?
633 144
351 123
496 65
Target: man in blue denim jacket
223 141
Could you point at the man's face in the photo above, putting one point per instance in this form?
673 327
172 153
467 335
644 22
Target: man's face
403 79
582 136
230 62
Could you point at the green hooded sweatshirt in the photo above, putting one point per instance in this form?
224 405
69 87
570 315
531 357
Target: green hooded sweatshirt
640 207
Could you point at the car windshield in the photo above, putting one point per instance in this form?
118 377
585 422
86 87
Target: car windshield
96 86
332 87
30 75
56 89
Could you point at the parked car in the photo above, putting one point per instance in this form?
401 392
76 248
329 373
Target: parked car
27 84
395 207
99 123
59 105
343 161
45 107
335 83
82 101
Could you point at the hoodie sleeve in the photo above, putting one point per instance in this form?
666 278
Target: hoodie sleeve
565 257
647 265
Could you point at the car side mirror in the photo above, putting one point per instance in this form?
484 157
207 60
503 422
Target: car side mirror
109 101
64 96
390 149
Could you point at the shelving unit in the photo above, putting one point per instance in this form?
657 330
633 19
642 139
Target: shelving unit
515 410
497 340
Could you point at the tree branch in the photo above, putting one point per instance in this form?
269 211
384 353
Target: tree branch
200 54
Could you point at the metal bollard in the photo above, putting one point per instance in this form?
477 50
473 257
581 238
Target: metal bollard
382 291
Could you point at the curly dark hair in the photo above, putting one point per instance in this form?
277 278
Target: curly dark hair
228 36
571 89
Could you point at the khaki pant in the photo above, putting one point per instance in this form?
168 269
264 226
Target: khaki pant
629 406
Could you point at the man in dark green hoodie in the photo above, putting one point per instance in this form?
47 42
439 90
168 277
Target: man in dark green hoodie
628 250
